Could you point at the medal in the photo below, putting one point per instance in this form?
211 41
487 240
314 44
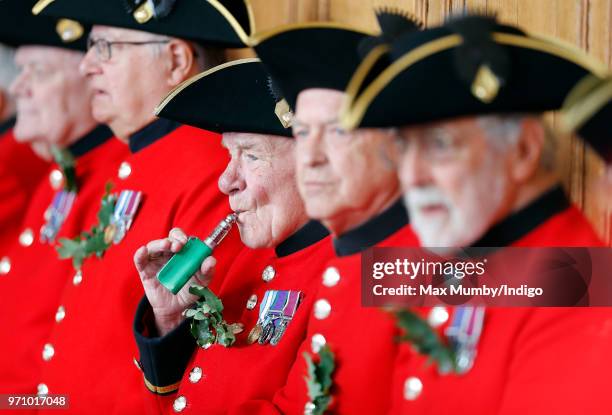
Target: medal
254 334
109 233
293 300
464 334
123 216
267 332
278 332
56 214
276 310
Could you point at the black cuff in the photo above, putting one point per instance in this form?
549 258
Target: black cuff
163 360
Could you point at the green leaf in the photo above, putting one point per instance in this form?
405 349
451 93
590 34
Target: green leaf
190 312
213 301
326 367
196 289
426 341
207 324
199 315
90 243
67 247
319 380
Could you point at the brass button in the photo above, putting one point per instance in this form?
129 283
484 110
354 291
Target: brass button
268 273
48 352
252 302
331 276
322 309
26 238
56 178
437 316
78 278
60 314
42 389
317 342
5 265
195 375
309 408
179 404
124 170
412 388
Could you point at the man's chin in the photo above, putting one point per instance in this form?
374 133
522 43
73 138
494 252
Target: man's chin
319 211
24 136
101 113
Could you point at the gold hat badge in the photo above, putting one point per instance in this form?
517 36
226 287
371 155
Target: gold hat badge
284 113
69 30
486 84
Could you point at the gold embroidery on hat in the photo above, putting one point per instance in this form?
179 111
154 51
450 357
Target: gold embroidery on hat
40 6
144 12
358 105
486 84
69 30
283 112
183 85
574 115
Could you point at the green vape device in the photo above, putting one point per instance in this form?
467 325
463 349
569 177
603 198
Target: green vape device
179 269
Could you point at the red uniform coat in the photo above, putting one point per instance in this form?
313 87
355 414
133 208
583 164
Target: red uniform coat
529 360
20 172
219 378
176 169
362 339
37 275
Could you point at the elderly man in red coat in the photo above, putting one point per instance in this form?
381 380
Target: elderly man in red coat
137 53
270 290
53 109
348 182
20 168
477 166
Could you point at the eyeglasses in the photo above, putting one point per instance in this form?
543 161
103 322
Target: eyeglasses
435 144
103 46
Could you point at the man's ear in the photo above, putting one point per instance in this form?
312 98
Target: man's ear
527 153
182 61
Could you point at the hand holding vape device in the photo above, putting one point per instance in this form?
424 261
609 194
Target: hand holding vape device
177 271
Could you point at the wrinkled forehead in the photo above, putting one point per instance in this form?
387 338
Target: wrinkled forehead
49 55
318 106
232 140
464 126
118 33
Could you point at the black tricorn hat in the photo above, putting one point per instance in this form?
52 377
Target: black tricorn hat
469 66
237 96
588 112
309 55
224 23
18 26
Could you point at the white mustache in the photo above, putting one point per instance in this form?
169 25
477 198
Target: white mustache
426 196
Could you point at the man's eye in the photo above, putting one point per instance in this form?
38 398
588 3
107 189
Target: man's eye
300 133
251 157
442 142
337 130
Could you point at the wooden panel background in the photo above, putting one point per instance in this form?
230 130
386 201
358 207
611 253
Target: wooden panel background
584 23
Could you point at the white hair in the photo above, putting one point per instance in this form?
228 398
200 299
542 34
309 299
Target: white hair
205 57
503 131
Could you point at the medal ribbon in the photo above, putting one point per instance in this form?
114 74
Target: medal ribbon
59 210
126 207
292 304
465 330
